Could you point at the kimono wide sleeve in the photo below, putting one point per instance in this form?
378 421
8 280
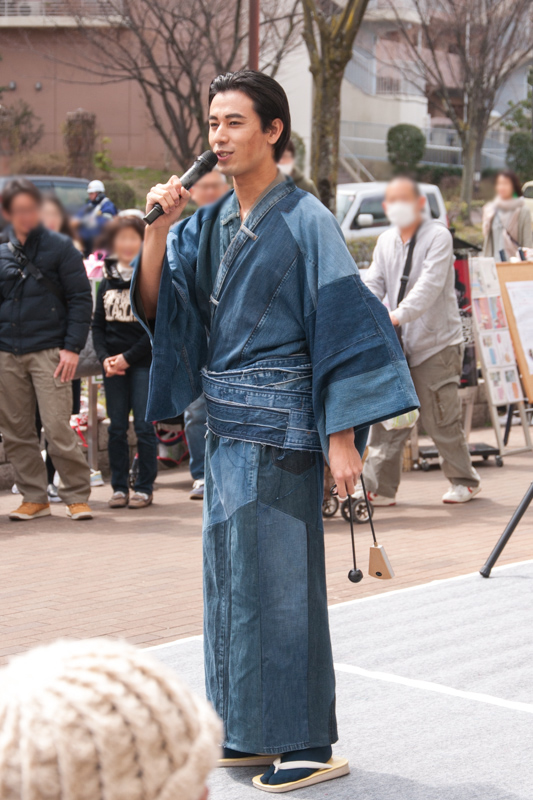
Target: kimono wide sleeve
178 334
360 375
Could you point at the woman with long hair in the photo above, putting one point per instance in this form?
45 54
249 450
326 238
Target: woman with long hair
506 220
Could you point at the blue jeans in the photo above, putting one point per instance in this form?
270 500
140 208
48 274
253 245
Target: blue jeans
268 660
124 393
195 418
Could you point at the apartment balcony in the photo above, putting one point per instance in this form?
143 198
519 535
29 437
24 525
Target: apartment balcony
374 77
59 13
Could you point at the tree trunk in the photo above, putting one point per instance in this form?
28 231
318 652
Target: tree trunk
326 131
469 168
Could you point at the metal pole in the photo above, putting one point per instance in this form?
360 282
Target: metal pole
253 41
506 535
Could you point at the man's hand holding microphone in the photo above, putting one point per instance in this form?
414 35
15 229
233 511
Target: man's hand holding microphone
164 206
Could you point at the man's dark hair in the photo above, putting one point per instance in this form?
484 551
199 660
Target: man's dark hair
19 186
290 148
513 177
269 99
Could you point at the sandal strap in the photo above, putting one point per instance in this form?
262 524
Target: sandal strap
279 764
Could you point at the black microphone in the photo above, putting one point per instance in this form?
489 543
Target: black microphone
201 167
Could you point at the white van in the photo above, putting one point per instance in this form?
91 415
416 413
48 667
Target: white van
360 207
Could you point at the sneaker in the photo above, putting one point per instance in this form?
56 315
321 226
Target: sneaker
118 500
140 500
96 478
197 491
460 494
31 511
79 511
51 491
380 500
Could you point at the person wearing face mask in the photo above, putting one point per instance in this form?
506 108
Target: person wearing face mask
506 220
428 318
287 164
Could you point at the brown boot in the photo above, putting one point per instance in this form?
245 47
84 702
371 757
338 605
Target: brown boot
31 511
140 500
79 511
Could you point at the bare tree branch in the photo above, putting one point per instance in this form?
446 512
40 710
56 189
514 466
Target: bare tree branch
468 50
172 49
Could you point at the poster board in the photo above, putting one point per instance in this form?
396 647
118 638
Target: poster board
494 335
496 338
518 307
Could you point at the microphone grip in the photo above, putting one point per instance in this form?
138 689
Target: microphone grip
153 214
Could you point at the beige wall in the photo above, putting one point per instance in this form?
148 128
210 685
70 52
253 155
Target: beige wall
360 107
119 108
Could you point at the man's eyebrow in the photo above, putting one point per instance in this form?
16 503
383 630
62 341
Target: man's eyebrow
232 115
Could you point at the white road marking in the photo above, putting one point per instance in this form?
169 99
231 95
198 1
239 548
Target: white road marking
365 599
428 686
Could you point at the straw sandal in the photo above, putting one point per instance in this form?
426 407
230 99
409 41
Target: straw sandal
335 768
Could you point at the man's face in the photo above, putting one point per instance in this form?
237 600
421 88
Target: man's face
93 196
209 188
402 206
24 214
236 136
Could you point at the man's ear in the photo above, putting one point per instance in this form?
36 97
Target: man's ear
205 794
275 131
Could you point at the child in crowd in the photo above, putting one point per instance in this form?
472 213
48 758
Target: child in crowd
123 347
100 719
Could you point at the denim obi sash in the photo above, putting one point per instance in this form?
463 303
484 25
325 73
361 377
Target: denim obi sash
267 403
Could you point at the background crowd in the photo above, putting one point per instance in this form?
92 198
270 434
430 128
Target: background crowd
50 315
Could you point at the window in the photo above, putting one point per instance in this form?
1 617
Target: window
72 195
528 191
372 205
433 205
344 203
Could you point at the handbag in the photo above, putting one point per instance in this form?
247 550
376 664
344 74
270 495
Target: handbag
88 363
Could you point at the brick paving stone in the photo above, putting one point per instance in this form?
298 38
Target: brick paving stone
137 574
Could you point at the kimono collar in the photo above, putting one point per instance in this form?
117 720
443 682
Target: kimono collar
231 209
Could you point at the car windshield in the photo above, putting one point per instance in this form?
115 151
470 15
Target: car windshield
344 202
73 196
528 191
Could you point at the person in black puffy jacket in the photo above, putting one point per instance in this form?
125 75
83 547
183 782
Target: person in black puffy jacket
124 348
45 313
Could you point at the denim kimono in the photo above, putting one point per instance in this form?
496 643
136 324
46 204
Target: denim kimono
270 318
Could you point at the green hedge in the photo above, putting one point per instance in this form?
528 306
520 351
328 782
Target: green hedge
121 193
362 250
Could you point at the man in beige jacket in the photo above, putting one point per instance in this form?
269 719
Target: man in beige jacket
432 338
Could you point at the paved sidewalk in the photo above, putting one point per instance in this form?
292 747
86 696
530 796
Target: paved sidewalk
137 574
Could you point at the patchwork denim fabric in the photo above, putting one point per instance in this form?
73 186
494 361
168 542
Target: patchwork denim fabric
281 287
269 668
270 403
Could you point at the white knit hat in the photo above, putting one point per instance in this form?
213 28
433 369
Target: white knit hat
101 720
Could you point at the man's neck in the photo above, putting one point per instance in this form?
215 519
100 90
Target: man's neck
21 237
406 234
250 185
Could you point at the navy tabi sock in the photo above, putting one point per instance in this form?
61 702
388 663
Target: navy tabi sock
320 754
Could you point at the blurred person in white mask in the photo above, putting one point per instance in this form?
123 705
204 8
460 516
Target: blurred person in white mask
426 317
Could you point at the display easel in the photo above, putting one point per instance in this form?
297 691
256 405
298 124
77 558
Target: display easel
493 319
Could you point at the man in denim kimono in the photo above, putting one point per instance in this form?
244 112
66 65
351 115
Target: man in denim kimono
259 303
